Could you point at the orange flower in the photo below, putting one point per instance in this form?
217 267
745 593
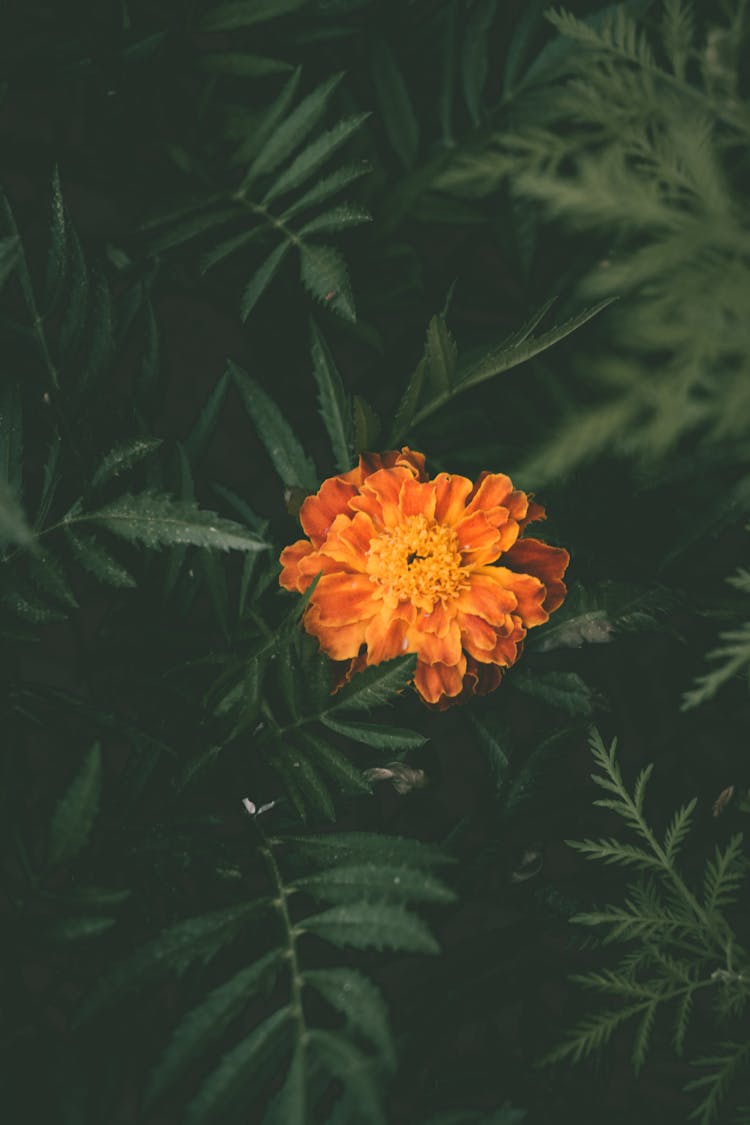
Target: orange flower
409 564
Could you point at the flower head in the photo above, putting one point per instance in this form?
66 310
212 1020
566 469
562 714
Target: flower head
432 567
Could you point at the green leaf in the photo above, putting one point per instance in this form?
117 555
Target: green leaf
288 458
11 438
205 1023
367 847
230 246
346 1063
407 407
289 1106
76 812
441 354
173 950
9 255
246 13
326 187
48 575
565 690
254 142
239 1073
314 155
395 105
203 430
324 274
377 736
384 882
302 780
357 998
240 64
261 279
366 425
13 526
340 217
122 458
79 929
370 925
334 405
293 130
323 757
493 740
178 233
475 55
375 685
156 520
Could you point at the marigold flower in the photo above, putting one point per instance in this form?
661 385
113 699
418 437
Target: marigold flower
410 565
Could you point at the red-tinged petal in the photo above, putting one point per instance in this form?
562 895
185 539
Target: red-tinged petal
438 620
411 460
344 598
417 499
339 642
531 556
506 650
535 512
349 541
315 564
290 559
436 682
386 637
434 649
319 511
487 596
490 491
477 635
530 593
379 496
479 541
451 494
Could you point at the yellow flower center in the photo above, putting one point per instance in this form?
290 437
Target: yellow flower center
418 561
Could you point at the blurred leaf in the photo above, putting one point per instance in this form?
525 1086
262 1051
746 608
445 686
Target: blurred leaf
76 812
288 457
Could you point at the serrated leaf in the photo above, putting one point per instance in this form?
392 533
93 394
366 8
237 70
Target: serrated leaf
475 55
289 1106
334 405
346 1063
367 847
441 354
324 274
366 425
206 1022
79 929
157 520
9 255
323 757
13 526
247 13
395 104
384 882
340 217
378 736
325 188
407 407
178 233
203 430
238 1072
494 743
293 129
229 246
375 686
240 64
174 949
565 690
302 778
370 925
288 457
261 279
357 998
122 458
76 812
254 143
48 575
307 162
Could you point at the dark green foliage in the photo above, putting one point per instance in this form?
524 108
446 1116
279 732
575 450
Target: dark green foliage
242 242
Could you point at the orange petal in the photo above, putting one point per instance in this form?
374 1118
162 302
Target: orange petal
435 682
290 559
479 541
477 635
349 540
411 460
435 649
451 493
535 512
386 637
379 495
344 598
487 596
548 563
339 642
417 499
319 511
438 620
530 593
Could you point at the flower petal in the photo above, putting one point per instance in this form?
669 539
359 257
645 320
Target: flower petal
451 493
344 598
386 637
530 593
417 499
291 556
487 596
477 635
435 682
319 511
479 541
548 563
349 541
535 512
339 642
379 496
438 649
